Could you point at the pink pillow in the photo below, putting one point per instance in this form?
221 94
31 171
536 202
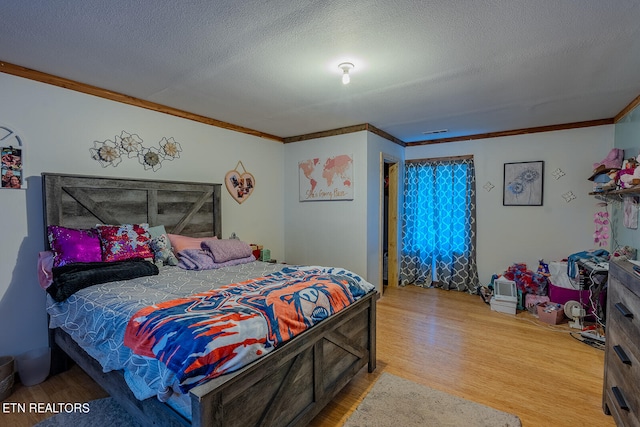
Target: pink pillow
45 266
71 245
179 243
120 242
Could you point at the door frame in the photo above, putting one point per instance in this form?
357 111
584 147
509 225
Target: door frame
392 221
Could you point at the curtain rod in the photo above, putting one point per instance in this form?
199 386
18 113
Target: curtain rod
441 159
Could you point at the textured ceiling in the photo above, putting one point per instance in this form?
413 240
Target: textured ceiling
468 66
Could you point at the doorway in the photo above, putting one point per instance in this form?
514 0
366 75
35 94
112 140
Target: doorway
389 168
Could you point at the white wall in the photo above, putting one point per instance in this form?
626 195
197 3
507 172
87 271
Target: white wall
331 233
338 233
509 234
376 146
58 127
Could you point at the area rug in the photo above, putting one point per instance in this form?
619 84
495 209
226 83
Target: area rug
102 413
395 401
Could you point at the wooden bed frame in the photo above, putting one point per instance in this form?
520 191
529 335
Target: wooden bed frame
287 387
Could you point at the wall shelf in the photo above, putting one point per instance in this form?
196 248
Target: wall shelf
616 195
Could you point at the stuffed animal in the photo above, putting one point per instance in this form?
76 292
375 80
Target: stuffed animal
162 253
629 176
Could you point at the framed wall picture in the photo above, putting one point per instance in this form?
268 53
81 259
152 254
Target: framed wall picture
12 164
523 184
327 178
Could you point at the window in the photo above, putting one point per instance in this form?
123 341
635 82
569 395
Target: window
438 230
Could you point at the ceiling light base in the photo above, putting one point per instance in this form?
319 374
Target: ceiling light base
346 67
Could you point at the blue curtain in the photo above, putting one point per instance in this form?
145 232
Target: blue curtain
438 231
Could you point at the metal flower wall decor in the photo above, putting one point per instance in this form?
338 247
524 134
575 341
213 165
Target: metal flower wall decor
111 152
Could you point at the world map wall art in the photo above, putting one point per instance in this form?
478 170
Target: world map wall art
326 178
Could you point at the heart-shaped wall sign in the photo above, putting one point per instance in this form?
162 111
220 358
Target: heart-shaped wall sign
239 184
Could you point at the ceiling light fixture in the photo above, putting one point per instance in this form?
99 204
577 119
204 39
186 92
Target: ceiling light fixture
345 67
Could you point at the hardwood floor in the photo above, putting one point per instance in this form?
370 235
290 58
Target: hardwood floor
449 341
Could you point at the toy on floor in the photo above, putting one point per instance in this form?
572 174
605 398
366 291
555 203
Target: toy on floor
526 280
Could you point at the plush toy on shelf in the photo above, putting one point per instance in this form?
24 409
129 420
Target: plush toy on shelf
629 175
605 174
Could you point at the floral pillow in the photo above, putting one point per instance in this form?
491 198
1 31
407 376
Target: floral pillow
71 245
120 242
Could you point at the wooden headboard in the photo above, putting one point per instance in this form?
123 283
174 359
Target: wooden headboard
187 208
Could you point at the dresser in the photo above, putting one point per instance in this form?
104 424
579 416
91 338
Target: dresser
621 390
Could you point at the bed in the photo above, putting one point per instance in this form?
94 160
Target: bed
286 387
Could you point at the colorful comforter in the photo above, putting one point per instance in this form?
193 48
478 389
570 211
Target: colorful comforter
219 331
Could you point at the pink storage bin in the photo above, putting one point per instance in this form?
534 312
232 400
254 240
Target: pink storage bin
561 295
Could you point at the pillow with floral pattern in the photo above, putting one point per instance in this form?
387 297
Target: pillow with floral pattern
120 242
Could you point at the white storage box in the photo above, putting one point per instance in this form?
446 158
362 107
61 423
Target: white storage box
508 307
505 296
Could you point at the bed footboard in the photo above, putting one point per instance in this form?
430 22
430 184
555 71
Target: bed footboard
290 388
287 387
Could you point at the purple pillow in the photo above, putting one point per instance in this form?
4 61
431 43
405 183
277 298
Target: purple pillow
71 245
223 250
